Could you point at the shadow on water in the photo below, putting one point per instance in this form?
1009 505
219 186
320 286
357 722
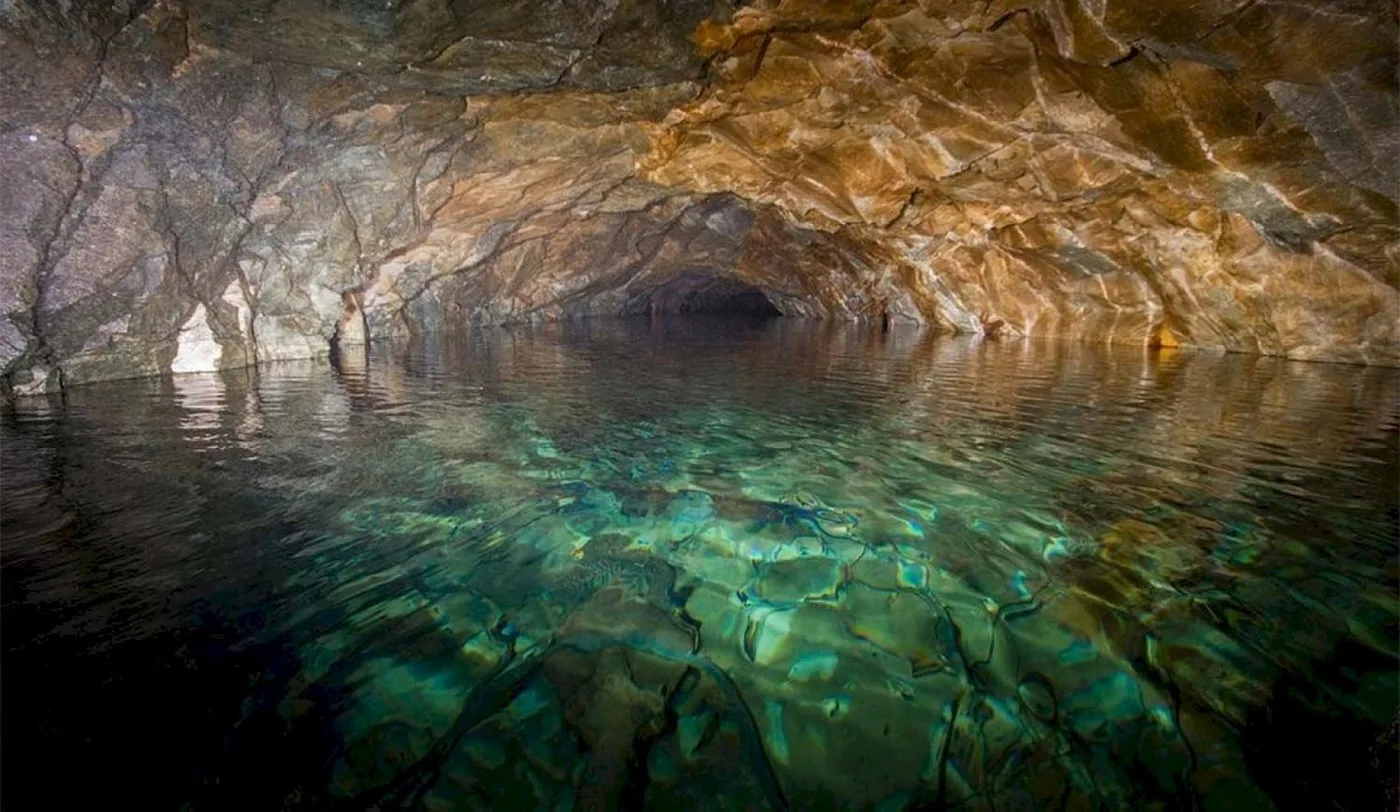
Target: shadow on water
622 564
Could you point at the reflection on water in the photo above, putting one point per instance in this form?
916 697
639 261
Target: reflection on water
623 564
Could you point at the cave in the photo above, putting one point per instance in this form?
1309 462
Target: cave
699 293
678 404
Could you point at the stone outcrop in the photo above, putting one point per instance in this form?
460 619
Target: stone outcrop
200 184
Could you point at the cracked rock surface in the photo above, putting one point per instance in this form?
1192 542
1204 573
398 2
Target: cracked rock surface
200 184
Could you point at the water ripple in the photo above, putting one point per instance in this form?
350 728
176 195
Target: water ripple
805 564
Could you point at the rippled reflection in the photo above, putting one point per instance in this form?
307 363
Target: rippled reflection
613 564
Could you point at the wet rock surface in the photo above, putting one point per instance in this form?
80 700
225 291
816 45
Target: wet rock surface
201 184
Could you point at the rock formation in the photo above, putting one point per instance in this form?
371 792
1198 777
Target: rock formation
201 184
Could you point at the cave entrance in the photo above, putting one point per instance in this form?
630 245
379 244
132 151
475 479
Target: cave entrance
702 294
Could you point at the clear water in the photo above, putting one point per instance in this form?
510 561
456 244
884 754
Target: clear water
715 565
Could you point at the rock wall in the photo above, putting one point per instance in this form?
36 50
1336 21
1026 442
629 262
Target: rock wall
200 184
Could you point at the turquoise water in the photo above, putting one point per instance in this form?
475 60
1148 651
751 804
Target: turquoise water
719 565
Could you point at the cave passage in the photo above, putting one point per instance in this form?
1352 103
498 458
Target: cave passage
1027 500
702 293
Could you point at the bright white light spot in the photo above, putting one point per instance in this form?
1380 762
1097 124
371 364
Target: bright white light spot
33 138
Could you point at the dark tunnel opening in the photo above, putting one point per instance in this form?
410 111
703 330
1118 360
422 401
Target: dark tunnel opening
702 294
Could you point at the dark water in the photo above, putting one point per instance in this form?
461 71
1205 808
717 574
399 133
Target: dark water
673 565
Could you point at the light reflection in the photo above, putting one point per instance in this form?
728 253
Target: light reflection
1006 547
203 397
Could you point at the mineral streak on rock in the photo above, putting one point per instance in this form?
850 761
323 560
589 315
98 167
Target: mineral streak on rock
199 184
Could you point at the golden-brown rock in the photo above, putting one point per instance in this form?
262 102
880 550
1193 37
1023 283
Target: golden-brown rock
1090 171
197 184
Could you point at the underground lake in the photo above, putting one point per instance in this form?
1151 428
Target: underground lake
709 563
592 405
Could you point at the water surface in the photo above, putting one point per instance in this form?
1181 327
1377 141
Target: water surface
639 564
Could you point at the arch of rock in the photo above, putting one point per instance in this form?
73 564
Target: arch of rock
199 184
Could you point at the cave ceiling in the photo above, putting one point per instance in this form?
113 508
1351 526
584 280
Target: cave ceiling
201 184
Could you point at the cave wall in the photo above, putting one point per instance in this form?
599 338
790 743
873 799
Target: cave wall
1219 174
200 184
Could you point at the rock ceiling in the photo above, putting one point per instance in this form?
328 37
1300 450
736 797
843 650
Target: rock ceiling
197 184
